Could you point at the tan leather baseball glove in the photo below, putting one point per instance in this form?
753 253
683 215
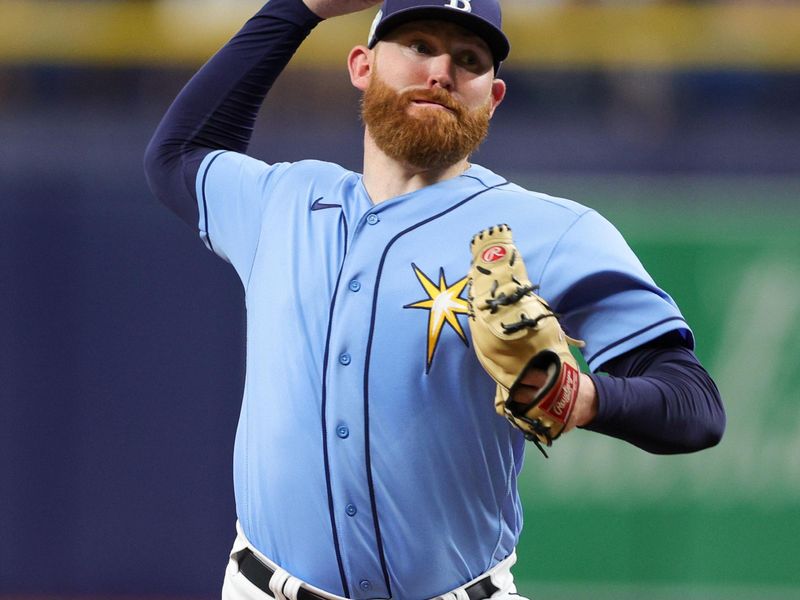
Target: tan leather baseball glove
514 331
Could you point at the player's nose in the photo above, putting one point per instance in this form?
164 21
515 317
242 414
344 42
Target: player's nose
440 71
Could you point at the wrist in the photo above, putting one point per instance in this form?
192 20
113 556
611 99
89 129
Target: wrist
316 7
587 405
297 12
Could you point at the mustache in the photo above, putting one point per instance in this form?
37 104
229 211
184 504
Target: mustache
435 95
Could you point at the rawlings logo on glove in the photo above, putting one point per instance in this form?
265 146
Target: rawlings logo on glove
515 333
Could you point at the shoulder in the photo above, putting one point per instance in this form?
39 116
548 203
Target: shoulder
568 209
305 168
316 176
538 211
500 189
232 172
549 226
317 168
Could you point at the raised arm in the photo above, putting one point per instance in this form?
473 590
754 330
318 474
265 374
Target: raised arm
217 109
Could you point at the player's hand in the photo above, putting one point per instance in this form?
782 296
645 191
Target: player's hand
585 409
334 8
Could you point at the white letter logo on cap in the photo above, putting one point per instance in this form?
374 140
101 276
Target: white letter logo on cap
465 5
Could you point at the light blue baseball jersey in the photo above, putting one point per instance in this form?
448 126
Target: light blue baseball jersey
369 460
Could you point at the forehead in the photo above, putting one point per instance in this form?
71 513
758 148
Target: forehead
444 30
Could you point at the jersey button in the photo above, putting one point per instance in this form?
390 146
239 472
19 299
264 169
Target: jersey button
343 431
372 219
351 510
344 359
355 285
364 585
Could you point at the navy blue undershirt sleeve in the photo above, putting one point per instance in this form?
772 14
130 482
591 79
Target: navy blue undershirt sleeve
217 109
659 397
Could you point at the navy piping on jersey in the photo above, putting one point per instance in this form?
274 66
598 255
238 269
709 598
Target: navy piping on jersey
205 206
326 459
368 464
633 335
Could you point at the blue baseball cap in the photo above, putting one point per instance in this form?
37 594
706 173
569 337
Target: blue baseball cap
482 17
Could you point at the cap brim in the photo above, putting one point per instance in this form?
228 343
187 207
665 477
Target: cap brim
494 38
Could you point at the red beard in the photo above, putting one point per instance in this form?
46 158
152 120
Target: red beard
430 138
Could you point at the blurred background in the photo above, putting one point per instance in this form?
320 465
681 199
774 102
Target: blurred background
121 353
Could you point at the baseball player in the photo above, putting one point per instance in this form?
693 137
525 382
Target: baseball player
409 327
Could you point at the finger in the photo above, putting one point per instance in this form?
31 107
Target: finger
525 394
534 377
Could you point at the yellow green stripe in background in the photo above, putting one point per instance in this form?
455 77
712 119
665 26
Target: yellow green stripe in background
756 36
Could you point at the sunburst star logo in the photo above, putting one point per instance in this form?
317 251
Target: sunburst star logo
444 303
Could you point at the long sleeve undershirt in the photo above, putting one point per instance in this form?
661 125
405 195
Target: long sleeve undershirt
217 109
657 397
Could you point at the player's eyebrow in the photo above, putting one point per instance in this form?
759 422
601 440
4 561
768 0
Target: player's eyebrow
440 29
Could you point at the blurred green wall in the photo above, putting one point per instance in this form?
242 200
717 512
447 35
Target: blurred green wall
606 520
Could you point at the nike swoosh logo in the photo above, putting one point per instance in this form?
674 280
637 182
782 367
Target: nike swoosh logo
319 205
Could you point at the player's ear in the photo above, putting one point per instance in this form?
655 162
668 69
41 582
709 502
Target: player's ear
360 65
498 93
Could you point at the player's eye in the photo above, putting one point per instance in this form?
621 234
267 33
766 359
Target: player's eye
468 59
420 47
473 61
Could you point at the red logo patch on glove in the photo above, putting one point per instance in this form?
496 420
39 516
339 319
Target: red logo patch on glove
493 254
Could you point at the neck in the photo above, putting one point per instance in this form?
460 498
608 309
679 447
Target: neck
385 177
